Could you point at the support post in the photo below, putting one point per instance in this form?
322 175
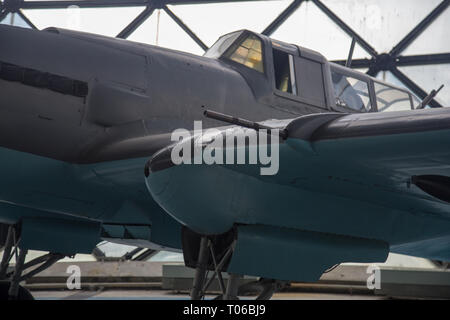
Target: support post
200 271
7 252
14 287
232 287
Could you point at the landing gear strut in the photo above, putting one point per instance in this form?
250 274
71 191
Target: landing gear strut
10 287
201 273
265 287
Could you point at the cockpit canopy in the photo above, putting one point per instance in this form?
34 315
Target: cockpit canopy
352 91
298 75
246 51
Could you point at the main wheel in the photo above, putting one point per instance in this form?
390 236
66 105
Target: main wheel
24 294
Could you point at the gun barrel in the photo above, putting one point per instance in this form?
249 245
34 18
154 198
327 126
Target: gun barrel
241 122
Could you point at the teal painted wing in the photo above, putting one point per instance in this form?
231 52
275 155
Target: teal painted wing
398 159
358 175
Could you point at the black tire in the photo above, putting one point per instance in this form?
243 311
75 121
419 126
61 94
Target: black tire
24 294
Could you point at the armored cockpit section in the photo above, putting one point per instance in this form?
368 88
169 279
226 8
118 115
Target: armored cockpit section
300 80
279 74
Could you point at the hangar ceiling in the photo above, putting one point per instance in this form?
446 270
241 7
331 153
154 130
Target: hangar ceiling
403 41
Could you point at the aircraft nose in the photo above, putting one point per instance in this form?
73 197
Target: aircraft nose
160 161
193 194
157 167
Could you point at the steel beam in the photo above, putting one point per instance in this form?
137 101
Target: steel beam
25 18
83 4
363 43
129 29
410 37
402 61
348 63
111 3
420 60
275 24
185 28
356 63
414 87
373 71
3 14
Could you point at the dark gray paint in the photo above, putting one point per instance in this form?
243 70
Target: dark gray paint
384 123
137 94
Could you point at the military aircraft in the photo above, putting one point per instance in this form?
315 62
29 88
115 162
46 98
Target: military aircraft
86 136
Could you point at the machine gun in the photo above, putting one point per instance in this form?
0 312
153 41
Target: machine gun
429 97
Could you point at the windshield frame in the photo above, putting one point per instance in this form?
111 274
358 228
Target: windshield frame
237 42
374 80
358 76
209 54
